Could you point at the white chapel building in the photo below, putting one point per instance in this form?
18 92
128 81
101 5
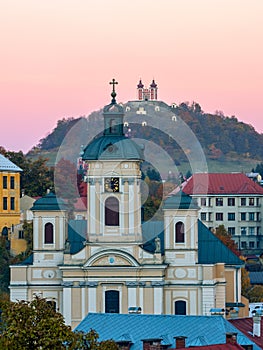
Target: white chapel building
114 262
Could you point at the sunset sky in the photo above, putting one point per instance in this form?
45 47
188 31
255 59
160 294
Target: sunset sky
58 56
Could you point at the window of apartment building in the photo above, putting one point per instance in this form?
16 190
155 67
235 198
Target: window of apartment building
203 216
252 245
243 230
251 216
251 201
12 203
251 230
258 202
21 234
219 216
209 202
219 202
4 182
209 216
4 203
243 245
12 182
243 201
231 202
231 231
258 216
243 216
231 217
203 202
258 230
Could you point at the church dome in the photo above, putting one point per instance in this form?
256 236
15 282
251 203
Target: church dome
153 84
180 201
140 85
113 147
48 203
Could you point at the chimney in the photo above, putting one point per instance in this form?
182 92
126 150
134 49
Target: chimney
180 342
152 344
256 325
231 338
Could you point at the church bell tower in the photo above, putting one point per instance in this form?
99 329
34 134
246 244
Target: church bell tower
113 181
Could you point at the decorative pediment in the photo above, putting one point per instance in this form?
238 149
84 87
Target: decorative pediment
111 258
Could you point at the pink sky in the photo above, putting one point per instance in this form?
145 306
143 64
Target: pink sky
57 57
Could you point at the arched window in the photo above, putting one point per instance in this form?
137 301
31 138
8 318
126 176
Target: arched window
112 301
180 307
49 236
179 232
112 211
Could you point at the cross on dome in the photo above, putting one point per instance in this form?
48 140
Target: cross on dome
113 94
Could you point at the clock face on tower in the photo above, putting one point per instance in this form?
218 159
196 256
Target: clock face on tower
111 184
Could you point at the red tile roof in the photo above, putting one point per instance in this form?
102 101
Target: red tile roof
217 347
245 325
219 183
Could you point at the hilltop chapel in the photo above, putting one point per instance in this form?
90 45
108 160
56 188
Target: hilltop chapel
114 262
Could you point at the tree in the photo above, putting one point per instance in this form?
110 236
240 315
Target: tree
4 265
226 238
36 177
35 325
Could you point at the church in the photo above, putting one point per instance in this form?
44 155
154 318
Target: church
115 262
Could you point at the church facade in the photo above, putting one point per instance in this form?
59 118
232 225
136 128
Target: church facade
115 262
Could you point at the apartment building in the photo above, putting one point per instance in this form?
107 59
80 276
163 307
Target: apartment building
232 200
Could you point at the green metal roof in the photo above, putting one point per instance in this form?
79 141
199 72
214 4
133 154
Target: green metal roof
180 201
113 147
211 250
48 203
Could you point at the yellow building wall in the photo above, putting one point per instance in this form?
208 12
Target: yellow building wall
9 217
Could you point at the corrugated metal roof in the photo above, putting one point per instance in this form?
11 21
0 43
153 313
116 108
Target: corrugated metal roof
256 277
7 165
219 183
245 325
212 329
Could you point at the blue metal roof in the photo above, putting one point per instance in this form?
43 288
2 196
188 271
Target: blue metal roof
7 165
200 330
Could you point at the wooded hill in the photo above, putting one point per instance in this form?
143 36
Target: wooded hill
223 139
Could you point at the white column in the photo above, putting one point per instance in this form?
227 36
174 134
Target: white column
132 206
132 296
158 300
92 209
92 304
67 305
83 302
141 298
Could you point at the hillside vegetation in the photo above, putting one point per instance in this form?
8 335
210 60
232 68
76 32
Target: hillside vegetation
229 145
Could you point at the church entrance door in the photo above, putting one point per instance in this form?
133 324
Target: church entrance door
112 301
